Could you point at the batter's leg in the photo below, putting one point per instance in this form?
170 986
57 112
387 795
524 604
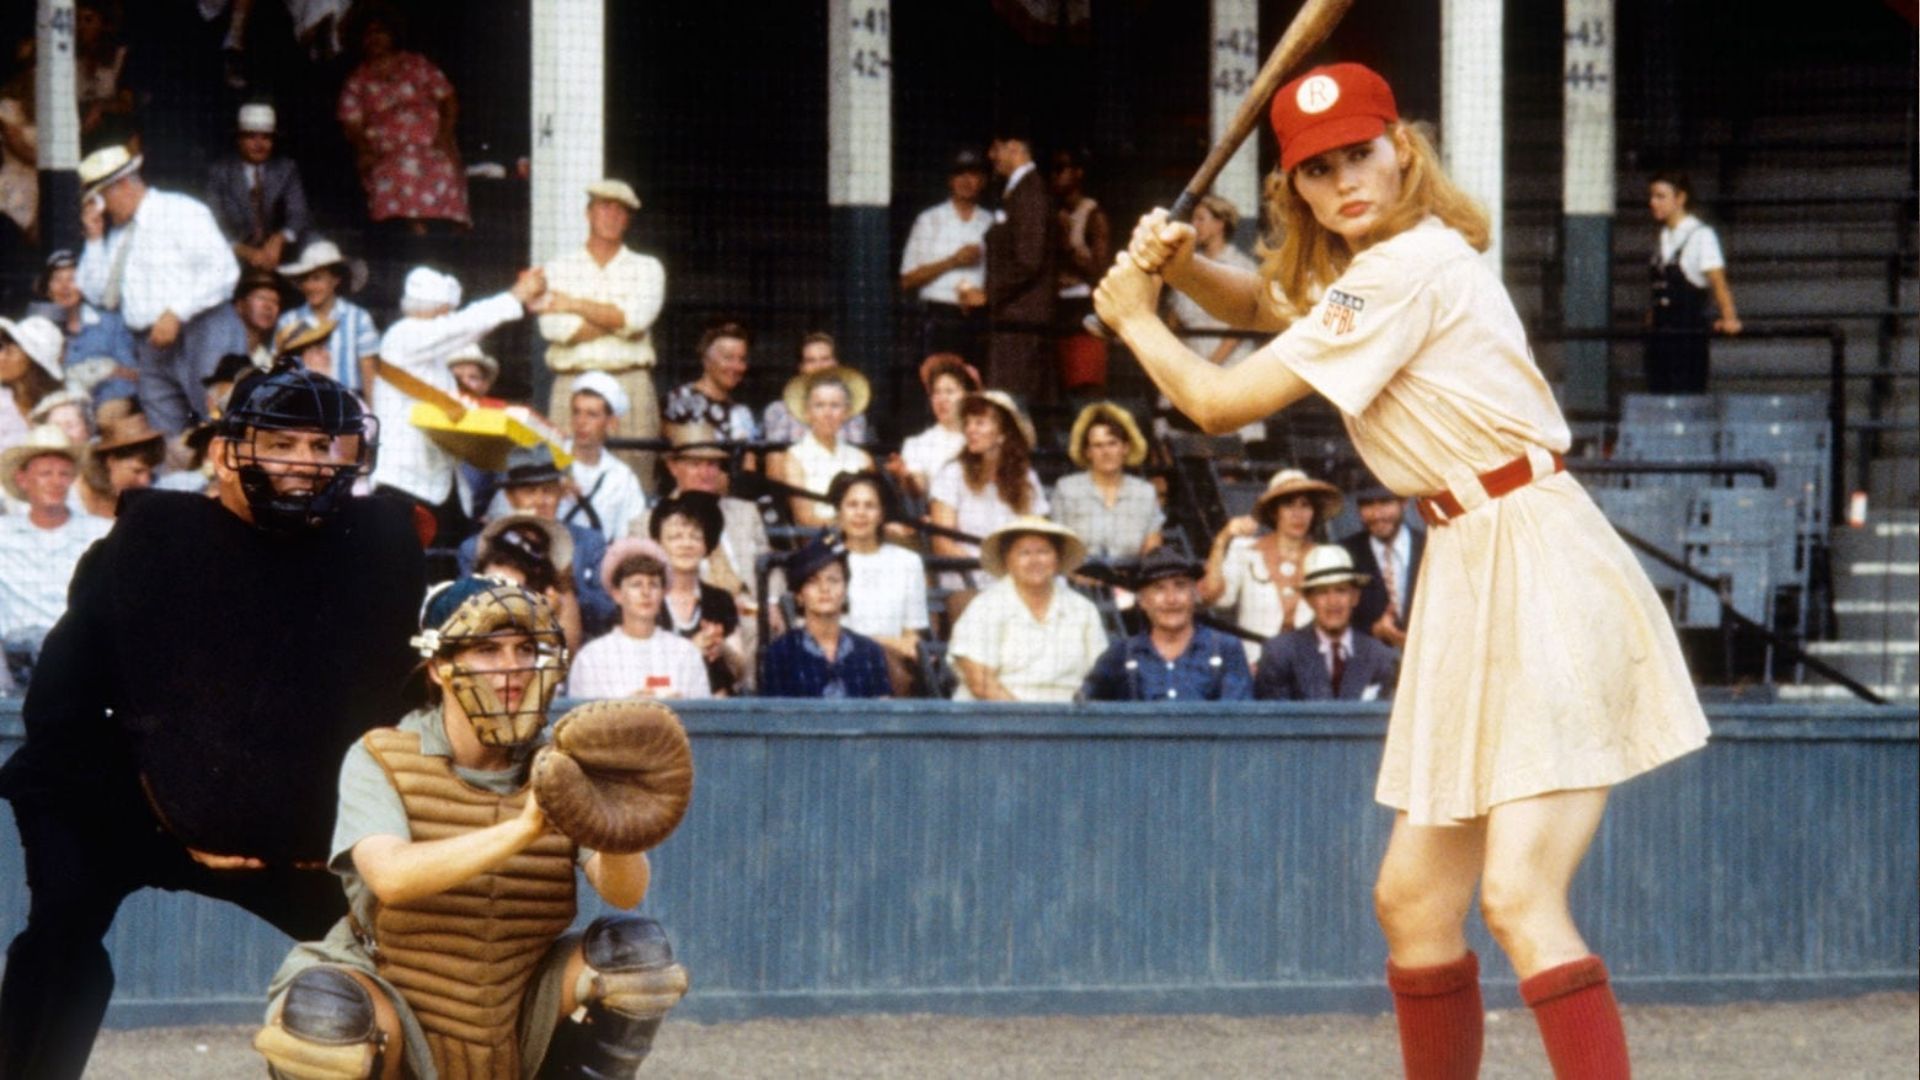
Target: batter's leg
1421 898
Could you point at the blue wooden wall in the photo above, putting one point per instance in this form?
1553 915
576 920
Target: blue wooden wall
931 857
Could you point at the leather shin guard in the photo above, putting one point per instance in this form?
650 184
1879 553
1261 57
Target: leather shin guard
326 1029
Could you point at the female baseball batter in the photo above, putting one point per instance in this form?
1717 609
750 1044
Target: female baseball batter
1540 667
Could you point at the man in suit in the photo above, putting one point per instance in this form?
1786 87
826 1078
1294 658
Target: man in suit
1020 281
1327 661
258 198
1387 552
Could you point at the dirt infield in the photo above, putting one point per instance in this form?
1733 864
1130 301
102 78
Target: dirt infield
1873 1036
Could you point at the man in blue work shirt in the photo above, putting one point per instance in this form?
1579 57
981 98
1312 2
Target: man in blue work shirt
1174 659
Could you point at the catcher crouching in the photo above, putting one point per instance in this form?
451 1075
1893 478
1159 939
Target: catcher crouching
457 836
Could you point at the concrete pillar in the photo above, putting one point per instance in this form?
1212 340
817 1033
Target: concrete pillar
1472 126
1236 58
57 118
860 186
1587 199
569 122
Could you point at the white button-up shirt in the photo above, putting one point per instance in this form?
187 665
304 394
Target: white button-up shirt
408 459
178 261
634 283
36 566
937 233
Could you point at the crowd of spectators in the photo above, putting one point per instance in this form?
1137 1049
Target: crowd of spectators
694 543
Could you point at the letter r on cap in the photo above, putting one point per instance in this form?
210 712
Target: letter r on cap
1317 94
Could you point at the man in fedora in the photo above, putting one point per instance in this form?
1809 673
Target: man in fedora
324 277
605 299
159 259
1327 660
257 197
39 548
535 484
1174 658
1387 552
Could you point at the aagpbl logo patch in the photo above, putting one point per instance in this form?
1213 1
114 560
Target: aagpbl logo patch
1339 311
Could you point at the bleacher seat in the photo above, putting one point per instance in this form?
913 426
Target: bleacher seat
1751 408
1799 451
1637 409
1693 440
1657 515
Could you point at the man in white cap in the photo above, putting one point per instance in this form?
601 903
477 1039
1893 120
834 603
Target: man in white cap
157 258
1327 661
257 197
40 548
433 328
323 275
605 299
606 495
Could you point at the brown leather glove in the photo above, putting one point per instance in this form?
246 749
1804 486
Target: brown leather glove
617 776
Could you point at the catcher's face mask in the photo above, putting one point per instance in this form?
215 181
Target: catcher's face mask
500 655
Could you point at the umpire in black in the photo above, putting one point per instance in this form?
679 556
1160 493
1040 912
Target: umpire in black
216 659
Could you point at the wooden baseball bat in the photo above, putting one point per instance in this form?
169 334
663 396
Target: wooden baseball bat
1310 26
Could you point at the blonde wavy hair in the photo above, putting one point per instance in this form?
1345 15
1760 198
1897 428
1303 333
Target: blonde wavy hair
1303 257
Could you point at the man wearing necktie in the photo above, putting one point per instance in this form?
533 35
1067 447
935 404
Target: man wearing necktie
1387 551
1327 661
258 197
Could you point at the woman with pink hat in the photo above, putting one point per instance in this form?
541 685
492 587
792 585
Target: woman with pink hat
1540 669
637 658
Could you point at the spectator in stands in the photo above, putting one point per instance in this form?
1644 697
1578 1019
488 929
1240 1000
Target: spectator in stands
821 658
828 399
637 658
258 198
67 410
1214 220
1386 553
40 548
538 554
604 495
780 424
709 399
1687 267
324 277
698 463
1083 248
1259 580
1174 658
1327 661
100 349
245 326
19 165
399 114
534 485
474 373
164 266
991 482
1020 272
123 458
307 344
687 525
606 297
886 583
1028 636
947 379
31 352
941 264
1117 515
99 58
432 329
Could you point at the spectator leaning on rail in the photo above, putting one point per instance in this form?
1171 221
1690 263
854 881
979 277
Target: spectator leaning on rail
606 297
160 261
1327 660
1027 637
1687 266
1174 659
638 658
821 658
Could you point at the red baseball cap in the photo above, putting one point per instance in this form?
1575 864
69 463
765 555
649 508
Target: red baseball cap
1330 106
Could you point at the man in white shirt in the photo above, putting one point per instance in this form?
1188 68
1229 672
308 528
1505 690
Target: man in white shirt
605 299
942 265
40 548
606 496
432 329
162 265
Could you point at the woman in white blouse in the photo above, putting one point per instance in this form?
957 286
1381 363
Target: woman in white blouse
948 379
1259 580
828 399
887 585
991 482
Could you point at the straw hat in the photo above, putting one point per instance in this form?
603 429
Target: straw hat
105 167
697 439
859 392
297 336
1119 417
43 440
121 427
1329 564
1326 497
559 541
319 253
1000 399
993 548
55 400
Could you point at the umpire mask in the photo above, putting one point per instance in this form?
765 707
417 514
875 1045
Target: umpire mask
293 482
490 635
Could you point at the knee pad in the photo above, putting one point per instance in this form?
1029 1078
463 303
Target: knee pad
630 968
326 1029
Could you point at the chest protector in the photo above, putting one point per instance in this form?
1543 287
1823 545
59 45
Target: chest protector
463 958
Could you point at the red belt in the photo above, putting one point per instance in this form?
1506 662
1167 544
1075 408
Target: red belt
1514 475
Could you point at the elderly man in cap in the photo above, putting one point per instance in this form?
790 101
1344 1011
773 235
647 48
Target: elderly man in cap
40 548
323 275
942 264
1327 660
432 330
535 485
257 197
606 496
1386 551
159 259
1175 658
605 299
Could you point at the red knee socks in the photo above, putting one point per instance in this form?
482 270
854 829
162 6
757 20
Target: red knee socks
1440 1018
1579 1020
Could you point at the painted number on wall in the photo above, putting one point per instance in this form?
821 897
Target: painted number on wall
870 41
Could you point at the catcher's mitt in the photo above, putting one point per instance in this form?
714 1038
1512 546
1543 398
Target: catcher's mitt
617 776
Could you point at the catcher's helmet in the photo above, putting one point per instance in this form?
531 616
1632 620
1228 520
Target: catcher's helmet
472 611
291 398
